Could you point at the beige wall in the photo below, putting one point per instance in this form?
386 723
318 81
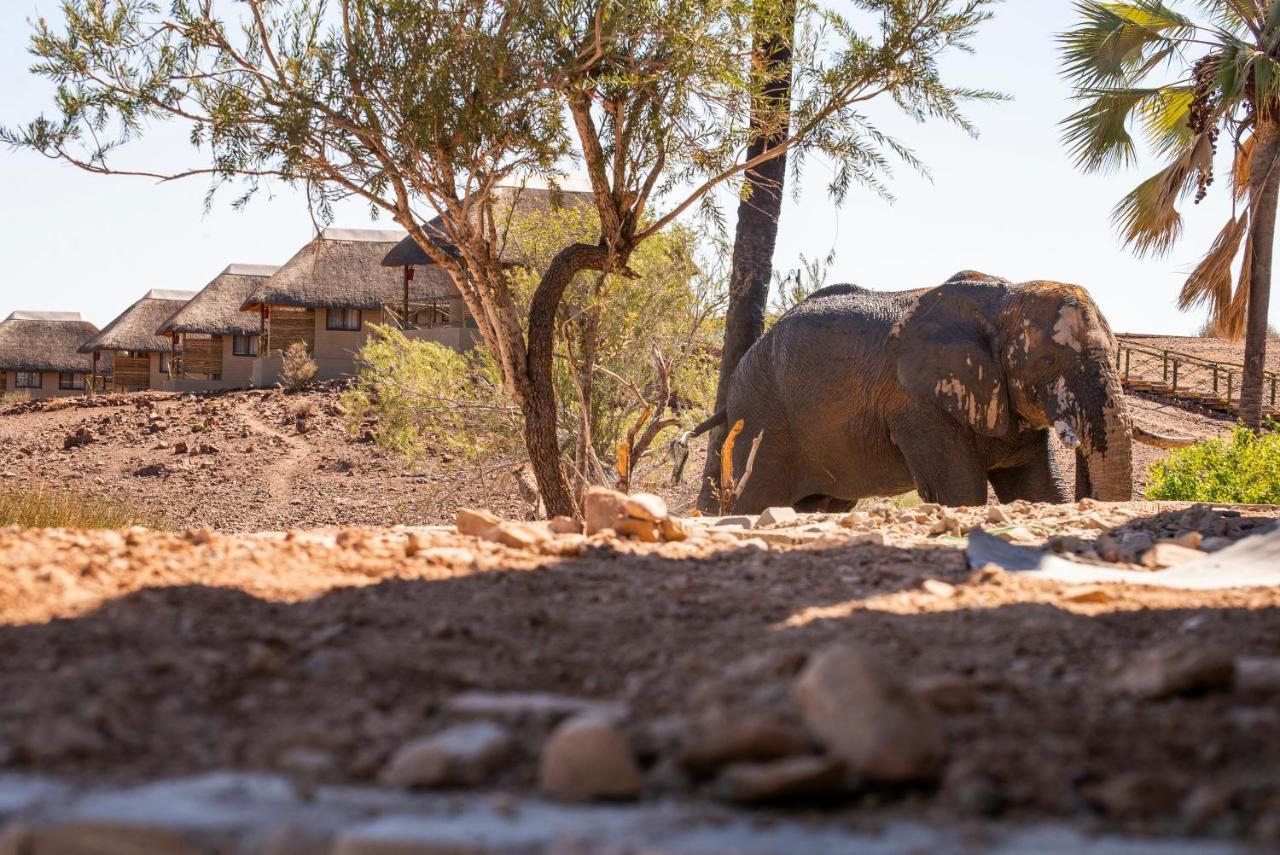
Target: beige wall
48 387
237 373
335 350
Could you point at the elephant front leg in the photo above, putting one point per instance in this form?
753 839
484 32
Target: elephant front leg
943 459
1035 478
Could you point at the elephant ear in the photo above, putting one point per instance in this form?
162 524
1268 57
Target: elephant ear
945 353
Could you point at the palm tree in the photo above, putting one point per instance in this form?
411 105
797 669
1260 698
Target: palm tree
1189 84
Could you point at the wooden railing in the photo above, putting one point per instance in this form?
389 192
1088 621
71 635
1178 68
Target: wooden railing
1187 378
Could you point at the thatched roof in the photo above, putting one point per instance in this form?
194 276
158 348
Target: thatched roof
527 200
45 341
135 328
341 268
216 309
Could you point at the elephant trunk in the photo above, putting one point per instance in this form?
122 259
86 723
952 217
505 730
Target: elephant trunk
1088 414
1109 470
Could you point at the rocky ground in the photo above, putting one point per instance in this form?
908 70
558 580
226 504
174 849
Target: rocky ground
262 460
847 671
853 664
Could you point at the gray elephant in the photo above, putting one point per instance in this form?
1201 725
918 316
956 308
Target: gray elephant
945 390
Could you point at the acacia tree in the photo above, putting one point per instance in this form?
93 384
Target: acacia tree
1185 83
421 106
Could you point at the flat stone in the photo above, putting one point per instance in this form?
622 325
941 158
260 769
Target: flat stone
789 779
777 516
565 525
1258 674
864 715
474 522
1166 553
587 759
544 706
646 506
520 535
948 693
754 737
939 588
462 755
1177 668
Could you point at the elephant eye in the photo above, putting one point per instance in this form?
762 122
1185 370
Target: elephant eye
1045 360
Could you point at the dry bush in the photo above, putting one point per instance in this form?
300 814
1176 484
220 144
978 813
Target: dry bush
298 367
40 507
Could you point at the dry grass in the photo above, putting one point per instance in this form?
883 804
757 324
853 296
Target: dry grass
40 507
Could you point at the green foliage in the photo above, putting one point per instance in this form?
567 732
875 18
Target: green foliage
663 304
39 507
1244 469
426 397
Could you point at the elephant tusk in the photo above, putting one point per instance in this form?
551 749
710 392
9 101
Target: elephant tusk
1066 434
1160 440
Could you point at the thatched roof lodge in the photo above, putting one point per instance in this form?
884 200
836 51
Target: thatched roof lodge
40 354
328 294
141 354
214 341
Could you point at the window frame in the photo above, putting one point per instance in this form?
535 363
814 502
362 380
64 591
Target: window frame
67 381
343 313
19 376
250 342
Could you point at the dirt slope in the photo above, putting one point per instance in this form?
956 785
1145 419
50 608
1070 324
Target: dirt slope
252 470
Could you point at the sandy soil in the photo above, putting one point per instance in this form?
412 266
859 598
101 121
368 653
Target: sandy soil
252 470
137 654
140 654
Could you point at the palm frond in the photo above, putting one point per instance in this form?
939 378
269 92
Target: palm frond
1148 218
1097 136
1231 320
1114 40
1165 119
1210 283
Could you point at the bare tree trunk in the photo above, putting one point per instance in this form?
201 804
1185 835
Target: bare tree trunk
1263 191
539 398
757 229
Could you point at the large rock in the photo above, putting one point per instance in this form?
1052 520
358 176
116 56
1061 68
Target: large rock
587 759
646 506
1177 668
462 755
603 508
864 715
476 523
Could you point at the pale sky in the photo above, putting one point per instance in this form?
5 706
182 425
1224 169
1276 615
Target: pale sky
1009 203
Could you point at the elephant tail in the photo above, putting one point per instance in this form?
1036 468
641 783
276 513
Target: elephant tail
679 447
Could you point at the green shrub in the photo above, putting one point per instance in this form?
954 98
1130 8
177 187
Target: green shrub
40 507
427 397
1244 469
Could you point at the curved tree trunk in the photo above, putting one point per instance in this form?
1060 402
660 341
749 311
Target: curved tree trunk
1264 187
757 229
538 404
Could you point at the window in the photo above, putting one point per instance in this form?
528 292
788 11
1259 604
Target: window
69 381
164 363
342 319
27 380
244 345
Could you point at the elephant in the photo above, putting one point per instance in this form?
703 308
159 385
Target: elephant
945 390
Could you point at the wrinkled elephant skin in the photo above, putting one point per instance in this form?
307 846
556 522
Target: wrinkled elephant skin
945 390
